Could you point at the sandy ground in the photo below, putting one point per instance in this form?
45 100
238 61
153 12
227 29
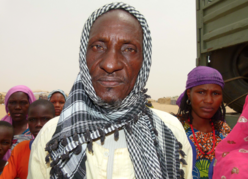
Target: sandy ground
2 111
163 107
174 108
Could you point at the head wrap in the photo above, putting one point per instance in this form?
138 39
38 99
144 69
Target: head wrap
85 118
202 75
56 91
19 88
232 152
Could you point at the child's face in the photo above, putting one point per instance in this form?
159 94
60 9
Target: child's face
37 117
6 136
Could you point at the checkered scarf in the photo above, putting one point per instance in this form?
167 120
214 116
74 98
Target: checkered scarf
153 149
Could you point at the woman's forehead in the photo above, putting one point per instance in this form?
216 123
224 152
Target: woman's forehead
210 86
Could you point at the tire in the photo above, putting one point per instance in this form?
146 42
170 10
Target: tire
232 62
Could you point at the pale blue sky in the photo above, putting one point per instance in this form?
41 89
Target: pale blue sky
39 42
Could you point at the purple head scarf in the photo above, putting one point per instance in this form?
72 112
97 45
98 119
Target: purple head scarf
202 75
19 88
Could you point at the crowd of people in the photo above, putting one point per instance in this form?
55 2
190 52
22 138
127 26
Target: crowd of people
105 128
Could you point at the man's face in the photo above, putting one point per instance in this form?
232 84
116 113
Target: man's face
37 118
114 55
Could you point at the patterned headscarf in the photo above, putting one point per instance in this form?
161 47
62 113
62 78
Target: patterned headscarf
56 91
153 149
231 154
202 75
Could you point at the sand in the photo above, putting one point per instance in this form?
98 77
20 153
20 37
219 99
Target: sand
174 108
2 111
163 107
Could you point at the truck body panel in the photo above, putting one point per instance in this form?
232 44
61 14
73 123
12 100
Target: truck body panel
220 24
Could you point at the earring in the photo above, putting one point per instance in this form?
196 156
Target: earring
8 114
188 102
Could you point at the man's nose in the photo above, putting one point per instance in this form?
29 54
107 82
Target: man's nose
39 123
111 61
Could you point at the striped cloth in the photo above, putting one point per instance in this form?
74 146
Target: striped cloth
153 149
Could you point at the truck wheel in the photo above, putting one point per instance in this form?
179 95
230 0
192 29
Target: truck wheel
232 62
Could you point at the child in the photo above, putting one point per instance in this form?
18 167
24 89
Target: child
6 136
39 113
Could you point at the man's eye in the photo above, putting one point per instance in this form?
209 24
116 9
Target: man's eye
45 119
200 92
129 50
97 47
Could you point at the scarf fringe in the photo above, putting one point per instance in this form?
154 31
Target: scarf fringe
183 161
65 156
75 137
102 134
181 174
182 153
47 159
116 134
74 143
128 128
64 141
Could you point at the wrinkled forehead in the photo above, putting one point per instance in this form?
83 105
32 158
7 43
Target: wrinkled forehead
118 17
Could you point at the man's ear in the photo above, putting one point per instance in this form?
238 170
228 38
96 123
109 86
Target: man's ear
188 93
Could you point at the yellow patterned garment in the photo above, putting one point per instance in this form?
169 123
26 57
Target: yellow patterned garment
205 141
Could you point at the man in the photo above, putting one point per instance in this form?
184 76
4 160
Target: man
105 129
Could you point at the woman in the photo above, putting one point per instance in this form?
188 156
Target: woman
17 101
201 111
58 98
232 152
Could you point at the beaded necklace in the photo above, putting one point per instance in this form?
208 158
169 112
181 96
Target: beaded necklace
198 146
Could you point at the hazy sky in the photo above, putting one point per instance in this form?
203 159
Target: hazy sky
39 42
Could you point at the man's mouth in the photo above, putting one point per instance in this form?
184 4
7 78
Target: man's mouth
110 81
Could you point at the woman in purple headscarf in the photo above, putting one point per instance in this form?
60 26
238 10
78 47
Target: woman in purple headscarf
17 101
202 113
